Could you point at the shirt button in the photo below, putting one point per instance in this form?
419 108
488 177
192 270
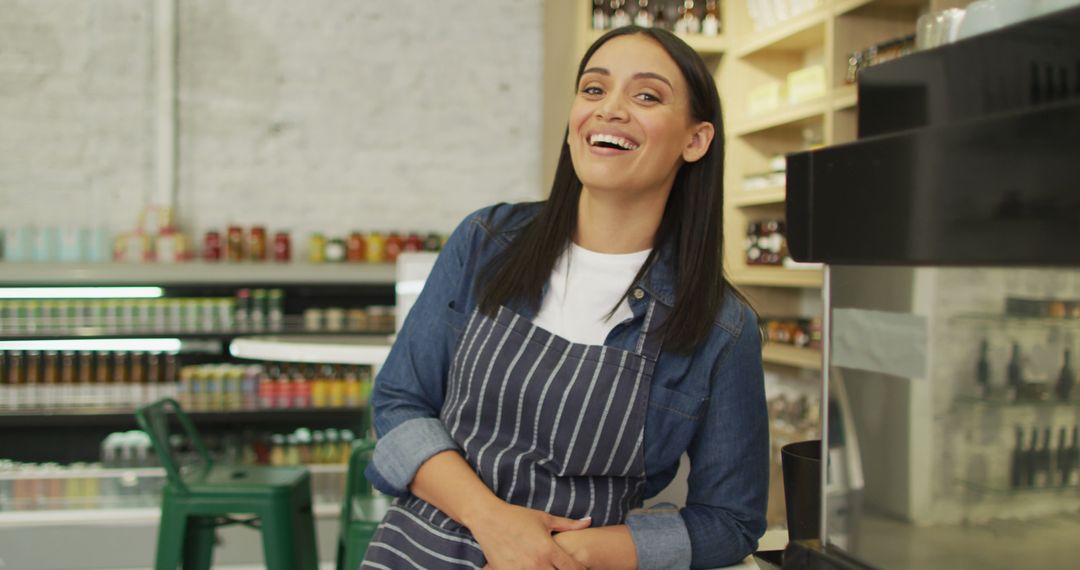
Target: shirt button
638 294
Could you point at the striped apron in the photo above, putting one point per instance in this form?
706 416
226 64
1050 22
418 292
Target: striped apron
546 423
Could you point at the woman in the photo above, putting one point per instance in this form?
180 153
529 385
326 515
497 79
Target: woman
564 355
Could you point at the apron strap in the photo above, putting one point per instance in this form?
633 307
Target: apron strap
650 341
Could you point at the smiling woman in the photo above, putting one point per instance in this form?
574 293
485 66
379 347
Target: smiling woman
565 354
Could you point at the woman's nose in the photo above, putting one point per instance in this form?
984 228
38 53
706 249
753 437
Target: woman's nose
611 109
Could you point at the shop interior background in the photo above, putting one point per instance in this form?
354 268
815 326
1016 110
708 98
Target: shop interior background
327 115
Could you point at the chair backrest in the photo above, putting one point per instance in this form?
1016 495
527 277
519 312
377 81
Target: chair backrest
356 483
154 419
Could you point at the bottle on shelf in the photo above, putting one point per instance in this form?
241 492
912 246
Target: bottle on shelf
1018 467
710 24
31 383
85 391
4 398
1014 373
1066 379
170 376
659 18
137 390
257 311
1043 467
15 390
50 380
121 380
688 22
153 377
1073 472
242 312
68 386
619 16
1031 460
275 310
982 370
644 17
599 16
102 380
1061 460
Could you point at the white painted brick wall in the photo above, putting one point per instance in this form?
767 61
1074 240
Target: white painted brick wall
76 99
321 115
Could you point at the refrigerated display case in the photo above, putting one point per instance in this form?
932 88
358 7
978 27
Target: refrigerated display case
952 287
71 467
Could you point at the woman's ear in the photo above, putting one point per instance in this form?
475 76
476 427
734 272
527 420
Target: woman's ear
700 139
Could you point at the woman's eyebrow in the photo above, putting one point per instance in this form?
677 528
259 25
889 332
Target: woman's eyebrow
638 75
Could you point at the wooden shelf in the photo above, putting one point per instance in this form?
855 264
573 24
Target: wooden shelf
775 353
794 34
194 272
841 7
846 97
785 116
760 197
776 277
704 45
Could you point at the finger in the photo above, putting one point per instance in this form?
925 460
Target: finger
562 524
563 561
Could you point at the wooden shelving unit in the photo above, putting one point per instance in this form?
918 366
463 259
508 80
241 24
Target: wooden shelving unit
787 355
825 35
760 197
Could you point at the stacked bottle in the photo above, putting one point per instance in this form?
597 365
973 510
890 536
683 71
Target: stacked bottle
87 379
224 387
1039 465
43 316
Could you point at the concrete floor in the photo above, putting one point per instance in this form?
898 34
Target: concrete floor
1051 542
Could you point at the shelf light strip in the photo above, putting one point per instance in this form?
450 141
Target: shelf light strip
170 345
80 292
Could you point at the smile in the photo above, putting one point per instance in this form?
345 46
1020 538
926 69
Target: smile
612 141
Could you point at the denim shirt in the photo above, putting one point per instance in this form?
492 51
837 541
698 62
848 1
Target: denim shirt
709 404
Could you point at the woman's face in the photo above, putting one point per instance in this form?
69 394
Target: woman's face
630 124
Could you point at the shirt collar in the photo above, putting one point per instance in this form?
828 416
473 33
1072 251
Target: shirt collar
659 281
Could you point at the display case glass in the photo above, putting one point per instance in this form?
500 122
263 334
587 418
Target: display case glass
954 416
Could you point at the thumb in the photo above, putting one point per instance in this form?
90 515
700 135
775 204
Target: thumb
563 524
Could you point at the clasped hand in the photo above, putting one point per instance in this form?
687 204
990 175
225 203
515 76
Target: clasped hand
514 538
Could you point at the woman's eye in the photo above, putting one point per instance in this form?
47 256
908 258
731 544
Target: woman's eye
592 90
648 97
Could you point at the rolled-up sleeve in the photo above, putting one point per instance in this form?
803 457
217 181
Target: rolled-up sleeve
728 484
410 387
660 538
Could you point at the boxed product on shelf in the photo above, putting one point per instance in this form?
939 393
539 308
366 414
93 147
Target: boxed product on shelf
806 84
768 13
764 98
795 331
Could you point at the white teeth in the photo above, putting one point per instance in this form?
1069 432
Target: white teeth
612 139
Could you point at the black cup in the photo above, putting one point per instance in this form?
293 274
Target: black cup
802 488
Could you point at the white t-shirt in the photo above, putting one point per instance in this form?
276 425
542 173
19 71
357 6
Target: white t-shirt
584 285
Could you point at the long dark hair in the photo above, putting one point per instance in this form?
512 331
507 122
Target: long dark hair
692 222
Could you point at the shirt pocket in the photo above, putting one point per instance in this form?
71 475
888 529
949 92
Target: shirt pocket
678 404
455 317
672 420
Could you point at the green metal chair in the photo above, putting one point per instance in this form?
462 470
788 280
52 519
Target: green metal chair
361 509
200 496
